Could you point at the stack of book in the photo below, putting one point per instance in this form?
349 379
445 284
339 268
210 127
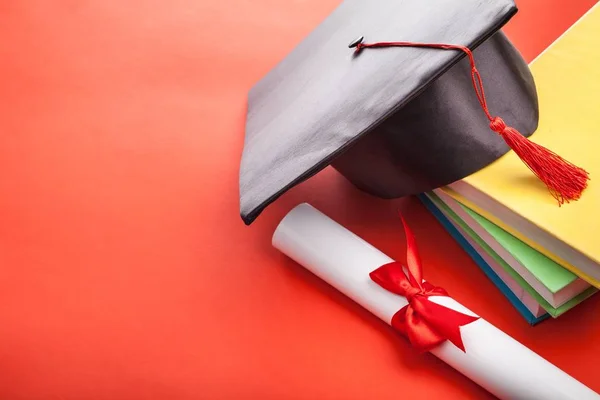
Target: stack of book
544 257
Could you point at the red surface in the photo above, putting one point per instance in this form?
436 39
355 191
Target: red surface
125 270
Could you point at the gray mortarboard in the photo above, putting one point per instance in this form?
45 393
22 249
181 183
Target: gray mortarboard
393 121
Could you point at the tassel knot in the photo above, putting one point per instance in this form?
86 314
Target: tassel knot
497 124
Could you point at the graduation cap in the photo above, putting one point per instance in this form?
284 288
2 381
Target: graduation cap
401 112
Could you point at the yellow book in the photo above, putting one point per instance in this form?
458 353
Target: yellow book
567 77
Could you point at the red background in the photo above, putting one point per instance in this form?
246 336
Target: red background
125 270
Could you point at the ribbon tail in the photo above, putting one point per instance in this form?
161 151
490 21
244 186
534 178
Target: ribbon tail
446 321
413 260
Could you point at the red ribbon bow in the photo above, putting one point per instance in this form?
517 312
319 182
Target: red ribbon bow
425 323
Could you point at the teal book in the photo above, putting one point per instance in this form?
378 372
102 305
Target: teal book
528 308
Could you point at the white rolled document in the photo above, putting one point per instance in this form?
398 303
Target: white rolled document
492 359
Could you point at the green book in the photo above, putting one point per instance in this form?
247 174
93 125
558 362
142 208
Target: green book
559 305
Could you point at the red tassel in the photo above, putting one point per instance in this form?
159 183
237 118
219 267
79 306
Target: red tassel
564 180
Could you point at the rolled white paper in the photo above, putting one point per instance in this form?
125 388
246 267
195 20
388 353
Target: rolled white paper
493 360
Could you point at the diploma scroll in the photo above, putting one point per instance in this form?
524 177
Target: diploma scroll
492 359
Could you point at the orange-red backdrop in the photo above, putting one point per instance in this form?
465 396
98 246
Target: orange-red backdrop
125 270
